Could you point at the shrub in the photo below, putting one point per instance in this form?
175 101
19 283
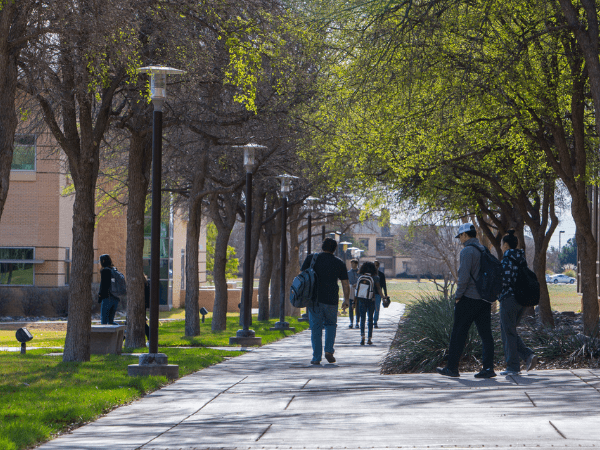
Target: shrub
59 299
421 343
570 273
32 301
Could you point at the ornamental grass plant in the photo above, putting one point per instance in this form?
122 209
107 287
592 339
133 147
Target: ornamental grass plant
423 336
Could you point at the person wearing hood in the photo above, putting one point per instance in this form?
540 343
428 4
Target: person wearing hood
511 311
470 307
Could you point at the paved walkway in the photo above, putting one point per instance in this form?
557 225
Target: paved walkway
273 398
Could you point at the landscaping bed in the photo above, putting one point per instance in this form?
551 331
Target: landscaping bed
421 342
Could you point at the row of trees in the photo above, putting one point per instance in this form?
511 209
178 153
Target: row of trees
249 67
478 110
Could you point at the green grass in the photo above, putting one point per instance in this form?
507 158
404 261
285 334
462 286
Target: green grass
171 334
41 395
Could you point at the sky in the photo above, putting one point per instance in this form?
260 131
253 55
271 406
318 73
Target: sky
567 225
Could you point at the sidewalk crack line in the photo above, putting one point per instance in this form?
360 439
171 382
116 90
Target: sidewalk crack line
530 399
305 384
557 430
264 432
195 412
291 399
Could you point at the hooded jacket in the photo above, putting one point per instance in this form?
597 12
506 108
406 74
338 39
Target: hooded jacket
510 261
468 270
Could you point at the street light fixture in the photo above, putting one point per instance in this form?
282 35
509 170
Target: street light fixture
246 336
158 94
286 184
559 236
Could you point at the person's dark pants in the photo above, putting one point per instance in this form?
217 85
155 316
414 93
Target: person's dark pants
467 311
147 331
514 347
351 311
377 308
108 308
366 307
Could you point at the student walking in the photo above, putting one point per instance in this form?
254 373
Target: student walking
352 277
511 311
378 297
470 307
323 312
366 288
108 301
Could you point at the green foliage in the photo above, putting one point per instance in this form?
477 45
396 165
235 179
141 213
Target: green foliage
231 267
568 253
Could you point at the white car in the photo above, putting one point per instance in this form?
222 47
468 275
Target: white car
560 278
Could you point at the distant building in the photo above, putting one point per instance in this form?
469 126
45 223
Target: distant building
36 228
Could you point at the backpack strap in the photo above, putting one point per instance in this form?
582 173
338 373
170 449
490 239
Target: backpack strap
314 259
480 251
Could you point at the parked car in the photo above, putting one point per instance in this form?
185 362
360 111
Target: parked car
560 278
549 278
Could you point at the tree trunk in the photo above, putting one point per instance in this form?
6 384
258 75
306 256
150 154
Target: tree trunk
275 278
293 264
192 281
266 271
8 89
77 341
140 158
219 320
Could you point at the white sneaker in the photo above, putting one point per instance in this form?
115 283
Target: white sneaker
531 362
148 344
509 372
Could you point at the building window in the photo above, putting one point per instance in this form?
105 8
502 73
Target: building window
24 152
166 255
16 266
67 266
380 245
364 243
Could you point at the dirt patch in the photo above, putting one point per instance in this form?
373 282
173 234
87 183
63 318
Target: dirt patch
41 326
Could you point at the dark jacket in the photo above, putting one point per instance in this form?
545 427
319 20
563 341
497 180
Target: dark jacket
105 282
510 261
381 276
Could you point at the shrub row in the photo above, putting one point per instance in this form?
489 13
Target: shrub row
32 301
421 343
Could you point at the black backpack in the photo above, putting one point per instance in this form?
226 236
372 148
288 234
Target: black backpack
489 280
365 288
304 286
527 286
118 286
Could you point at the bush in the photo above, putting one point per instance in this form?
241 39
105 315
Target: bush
59 299
421 343
570 273
32 301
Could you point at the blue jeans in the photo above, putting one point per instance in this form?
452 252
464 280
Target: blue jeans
366 308
377 306
514 347
108 308
322 316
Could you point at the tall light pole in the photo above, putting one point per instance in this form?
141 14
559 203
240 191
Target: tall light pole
158 94
286 182
246 336
344 246
310 201
559 236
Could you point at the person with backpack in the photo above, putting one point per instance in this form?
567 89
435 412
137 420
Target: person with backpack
378 297
470 307
511 310
322 313
109 277
367 286
352 278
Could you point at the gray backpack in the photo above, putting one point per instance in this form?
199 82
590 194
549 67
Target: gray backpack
118 286
304 287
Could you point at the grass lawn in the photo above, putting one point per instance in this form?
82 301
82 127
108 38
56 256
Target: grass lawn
563 297
41 396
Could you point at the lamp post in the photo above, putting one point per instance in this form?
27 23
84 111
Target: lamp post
559 236
246 336
310 201
158 94
286 182
345 245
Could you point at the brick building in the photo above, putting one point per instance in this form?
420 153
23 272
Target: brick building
36 227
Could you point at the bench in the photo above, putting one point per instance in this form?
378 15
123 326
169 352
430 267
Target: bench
107 339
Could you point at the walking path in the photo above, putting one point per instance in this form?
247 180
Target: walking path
273 398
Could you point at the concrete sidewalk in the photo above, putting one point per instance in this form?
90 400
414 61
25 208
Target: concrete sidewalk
273 398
